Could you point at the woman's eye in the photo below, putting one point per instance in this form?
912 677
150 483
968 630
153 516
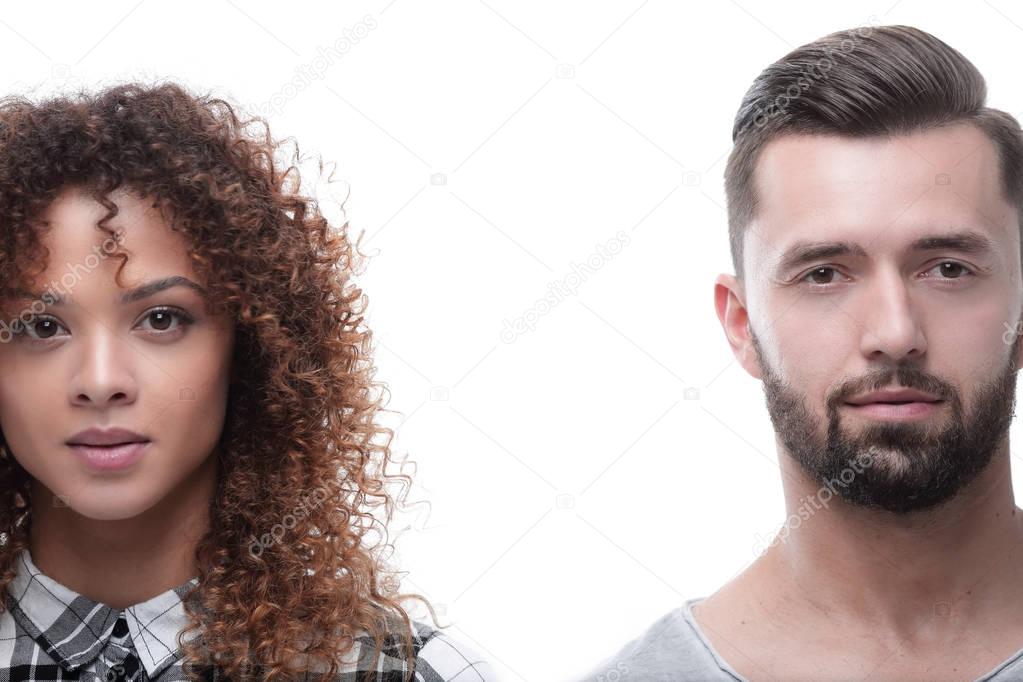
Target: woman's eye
48 326
161 320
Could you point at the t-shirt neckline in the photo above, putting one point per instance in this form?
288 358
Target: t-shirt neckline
687 610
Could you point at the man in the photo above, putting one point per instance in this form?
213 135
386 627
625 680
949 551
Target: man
874 217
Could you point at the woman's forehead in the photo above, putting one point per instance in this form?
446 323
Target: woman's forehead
73 236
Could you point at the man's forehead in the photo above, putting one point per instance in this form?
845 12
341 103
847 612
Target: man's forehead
960 158
879 191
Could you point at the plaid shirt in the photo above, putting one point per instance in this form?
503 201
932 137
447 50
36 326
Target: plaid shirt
49 632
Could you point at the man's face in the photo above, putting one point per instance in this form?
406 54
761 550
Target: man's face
940 317
158 365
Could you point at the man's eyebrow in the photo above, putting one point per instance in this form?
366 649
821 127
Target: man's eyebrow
137 294
802 253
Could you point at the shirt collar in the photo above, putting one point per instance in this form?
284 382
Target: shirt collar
74 629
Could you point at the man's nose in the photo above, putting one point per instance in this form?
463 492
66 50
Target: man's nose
890 320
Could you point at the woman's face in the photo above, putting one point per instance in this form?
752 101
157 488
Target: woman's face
156 363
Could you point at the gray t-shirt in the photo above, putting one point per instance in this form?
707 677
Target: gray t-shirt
674 648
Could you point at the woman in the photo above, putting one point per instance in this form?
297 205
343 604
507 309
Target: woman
189 457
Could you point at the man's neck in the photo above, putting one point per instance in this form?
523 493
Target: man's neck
893 574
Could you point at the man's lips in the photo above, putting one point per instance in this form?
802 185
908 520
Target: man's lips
894 395
894 402
896 410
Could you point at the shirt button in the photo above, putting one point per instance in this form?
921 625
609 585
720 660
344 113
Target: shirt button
119 672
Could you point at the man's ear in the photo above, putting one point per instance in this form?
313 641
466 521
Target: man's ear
730 302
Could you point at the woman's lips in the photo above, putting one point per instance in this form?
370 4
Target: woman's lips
110 457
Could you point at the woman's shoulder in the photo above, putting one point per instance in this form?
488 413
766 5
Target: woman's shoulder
438 656
446 657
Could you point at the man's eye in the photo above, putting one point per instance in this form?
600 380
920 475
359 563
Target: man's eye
957 268
817 271
823 275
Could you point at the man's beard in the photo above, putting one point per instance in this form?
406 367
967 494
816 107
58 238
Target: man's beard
913 465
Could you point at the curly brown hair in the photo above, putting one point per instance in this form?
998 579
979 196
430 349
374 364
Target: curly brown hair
302 409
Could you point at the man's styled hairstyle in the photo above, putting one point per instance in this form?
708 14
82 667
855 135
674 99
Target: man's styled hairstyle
862 82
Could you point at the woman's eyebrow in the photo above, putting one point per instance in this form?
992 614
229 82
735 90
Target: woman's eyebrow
137 294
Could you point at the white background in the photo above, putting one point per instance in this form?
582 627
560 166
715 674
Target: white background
588 475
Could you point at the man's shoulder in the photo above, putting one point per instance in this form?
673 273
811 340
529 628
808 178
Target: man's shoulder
668 649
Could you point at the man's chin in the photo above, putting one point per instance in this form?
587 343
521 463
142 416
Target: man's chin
899 478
